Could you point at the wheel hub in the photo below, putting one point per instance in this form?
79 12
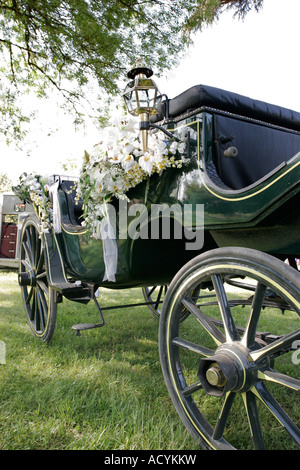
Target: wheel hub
27 278
215 376
228 370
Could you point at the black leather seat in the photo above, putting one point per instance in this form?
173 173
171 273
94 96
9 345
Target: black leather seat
200 96
264 134
74 207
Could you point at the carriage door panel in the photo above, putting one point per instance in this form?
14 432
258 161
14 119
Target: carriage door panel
260 150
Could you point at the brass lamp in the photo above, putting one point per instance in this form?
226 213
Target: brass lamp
142 97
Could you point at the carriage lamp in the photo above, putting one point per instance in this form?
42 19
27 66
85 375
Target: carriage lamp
142 97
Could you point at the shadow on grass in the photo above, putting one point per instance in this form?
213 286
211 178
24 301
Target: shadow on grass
104 390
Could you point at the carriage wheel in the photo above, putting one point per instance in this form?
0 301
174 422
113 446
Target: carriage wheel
232 376
39 298
156 295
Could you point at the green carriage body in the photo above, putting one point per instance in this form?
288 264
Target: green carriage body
249 200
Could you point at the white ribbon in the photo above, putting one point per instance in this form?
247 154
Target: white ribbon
110 249
56 217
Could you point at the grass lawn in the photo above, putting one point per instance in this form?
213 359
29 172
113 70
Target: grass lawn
104 390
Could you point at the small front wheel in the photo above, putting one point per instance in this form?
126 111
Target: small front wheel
154 296
39 299
231 366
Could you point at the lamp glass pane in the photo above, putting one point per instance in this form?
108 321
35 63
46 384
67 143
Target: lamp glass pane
140 96
146 98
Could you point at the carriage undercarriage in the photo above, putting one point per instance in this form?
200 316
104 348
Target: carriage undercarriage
218 306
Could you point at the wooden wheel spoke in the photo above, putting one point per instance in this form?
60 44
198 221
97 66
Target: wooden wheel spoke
33 306
151 291
253 418
40 262
205 321
231 332
29 295
43 287
28 244
187 391
270 375
34 244
157 302
39 319
26 265
269 401
41 310
223 416
27 253
188 345
257 303
42 275
281 344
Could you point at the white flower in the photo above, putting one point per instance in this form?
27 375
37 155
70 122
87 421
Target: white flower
98 187
115 185
128 148
34 187
181 147
115 158
94 174
137 152
146 163
159 151
127 162
173 147
131 125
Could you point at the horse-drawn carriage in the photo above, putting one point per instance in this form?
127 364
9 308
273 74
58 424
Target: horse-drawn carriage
221 338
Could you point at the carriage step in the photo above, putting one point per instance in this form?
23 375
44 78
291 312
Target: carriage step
89 326
85 326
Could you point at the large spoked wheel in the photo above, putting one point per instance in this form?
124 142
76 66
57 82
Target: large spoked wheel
39 298
232 368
